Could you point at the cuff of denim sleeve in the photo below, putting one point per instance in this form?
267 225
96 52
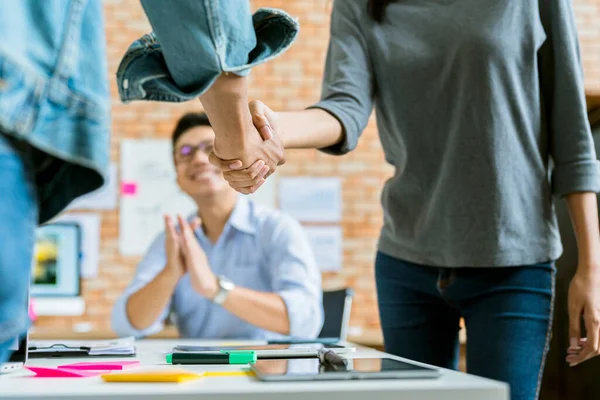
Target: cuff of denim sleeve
581 176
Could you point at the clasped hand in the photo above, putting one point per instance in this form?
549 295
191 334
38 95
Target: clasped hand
259 157
184 254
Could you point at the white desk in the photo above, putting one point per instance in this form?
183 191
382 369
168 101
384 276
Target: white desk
151 353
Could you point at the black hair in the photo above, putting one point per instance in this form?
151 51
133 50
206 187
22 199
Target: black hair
376 9
187 122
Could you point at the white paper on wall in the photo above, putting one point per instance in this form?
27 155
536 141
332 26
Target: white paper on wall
326 243
311 199
149 190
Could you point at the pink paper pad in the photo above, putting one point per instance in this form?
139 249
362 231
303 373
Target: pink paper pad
128 188
41 372
101 366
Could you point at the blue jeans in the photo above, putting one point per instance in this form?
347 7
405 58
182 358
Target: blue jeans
18 220
507 313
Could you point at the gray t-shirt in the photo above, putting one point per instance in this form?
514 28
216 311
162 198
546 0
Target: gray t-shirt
480 108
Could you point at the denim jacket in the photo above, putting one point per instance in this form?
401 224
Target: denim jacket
54 94
53 75
176 64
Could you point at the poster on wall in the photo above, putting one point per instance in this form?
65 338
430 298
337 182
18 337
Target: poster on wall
149 190
311 199
326 243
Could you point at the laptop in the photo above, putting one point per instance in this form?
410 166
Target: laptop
19 347
18 358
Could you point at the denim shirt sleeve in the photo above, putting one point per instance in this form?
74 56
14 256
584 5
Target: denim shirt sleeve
195 41
201 38
152 263
295 275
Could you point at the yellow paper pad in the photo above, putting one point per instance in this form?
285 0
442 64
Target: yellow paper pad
228 373
168 375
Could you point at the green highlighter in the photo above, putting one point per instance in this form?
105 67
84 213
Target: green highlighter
223 357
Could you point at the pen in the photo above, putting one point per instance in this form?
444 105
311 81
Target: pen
237 357
331 360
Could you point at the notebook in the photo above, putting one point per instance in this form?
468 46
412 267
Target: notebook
124 347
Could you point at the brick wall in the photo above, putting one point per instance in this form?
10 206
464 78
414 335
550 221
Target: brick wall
290 82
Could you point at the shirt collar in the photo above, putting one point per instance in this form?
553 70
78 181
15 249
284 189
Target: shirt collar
241 217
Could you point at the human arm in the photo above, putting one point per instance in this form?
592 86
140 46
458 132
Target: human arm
294 273
294 305
584 290
262 309
336 122
143 306
208 48
576 174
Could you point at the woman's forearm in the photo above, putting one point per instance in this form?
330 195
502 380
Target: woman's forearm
265 310
309 129
583 210
145 306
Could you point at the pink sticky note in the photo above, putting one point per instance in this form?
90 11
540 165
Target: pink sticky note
41 372
101 366
128 188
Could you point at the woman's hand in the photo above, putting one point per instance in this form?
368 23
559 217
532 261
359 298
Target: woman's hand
248 180
584 300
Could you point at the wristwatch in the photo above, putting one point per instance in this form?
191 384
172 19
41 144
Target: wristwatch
225 286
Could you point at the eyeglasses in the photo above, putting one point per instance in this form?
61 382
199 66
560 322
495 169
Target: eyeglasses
187 151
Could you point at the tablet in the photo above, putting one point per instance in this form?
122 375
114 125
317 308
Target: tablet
273 351
358 368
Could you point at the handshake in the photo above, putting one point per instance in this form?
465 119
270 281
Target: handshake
248 162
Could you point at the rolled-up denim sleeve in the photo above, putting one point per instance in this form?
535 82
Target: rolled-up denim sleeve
576 168
202 38
152 263
295 276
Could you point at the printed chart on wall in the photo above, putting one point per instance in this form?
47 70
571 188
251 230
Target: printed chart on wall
149 190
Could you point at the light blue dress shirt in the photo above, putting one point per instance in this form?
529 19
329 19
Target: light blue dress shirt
260 249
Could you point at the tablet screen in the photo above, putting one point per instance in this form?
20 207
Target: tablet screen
312 366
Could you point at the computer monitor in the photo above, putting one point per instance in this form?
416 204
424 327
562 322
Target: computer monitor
56 270
57 261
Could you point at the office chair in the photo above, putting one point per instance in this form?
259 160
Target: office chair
336 306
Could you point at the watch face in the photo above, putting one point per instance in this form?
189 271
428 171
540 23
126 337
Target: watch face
226 283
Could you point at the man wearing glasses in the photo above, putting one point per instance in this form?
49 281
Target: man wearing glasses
233 270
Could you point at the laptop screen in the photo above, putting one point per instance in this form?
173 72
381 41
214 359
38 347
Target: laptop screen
20 350
20 347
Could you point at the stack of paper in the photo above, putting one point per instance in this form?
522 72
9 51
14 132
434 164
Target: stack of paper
120 347
68 348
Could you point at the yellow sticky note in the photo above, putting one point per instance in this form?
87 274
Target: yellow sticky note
228 373
168 375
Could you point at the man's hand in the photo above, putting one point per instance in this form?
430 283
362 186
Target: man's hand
203 280
238 142
269 152
584 299
175 266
